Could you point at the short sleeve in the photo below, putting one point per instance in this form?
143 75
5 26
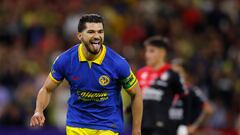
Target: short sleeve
178 84
126 76
199 95
57 71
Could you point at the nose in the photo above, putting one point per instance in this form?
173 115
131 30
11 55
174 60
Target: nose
96 36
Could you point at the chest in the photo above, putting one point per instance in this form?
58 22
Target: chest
94 78
155 86
150 79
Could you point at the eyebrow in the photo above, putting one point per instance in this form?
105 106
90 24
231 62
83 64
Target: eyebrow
95 30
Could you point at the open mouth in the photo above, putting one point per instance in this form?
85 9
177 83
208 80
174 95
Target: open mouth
95 43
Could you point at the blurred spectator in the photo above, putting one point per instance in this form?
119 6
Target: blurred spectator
238 125
13 115
218 119
4 99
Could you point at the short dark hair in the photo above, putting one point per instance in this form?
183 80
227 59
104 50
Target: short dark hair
184 64
158 41
91 18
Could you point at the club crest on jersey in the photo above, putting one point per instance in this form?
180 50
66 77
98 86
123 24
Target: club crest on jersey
104 80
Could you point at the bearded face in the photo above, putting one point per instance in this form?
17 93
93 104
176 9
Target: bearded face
92 37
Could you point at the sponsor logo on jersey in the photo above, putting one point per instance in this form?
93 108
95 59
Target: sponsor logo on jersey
92 96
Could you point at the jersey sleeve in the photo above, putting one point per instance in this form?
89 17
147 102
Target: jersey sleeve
199 95
178 85
127 78
57 71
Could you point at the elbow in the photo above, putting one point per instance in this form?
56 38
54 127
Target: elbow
208 108
137 95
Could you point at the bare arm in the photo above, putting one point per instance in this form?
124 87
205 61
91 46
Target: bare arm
206 112
42 102
137 108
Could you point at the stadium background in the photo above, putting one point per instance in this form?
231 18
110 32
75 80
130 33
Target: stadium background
33 32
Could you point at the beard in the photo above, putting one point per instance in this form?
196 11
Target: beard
93 46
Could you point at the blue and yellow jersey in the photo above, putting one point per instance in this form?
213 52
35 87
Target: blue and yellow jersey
95 101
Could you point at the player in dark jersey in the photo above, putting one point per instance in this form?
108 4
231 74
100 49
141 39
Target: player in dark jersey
96 75
194 108
159 84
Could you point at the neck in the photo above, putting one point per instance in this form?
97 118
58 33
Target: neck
158 65
89 56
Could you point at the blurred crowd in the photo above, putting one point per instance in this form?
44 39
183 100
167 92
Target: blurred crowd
205 33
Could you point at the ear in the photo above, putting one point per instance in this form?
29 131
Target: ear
79 35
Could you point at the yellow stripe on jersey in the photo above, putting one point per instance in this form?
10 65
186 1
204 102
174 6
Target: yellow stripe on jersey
87 131
53 79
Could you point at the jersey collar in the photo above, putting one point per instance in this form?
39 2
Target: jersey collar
98 60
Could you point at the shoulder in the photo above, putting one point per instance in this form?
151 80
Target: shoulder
116 58
143 72
173 75
68 53
118 63
65 57
172 72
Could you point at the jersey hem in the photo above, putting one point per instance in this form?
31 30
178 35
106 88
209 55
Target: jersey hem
96 127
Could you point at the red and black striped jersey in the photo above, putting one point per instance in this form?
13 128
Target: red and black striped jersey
159 87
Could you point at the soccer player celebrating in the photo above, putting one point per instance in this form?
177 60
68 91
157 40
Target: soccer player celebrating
96 75
159 84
